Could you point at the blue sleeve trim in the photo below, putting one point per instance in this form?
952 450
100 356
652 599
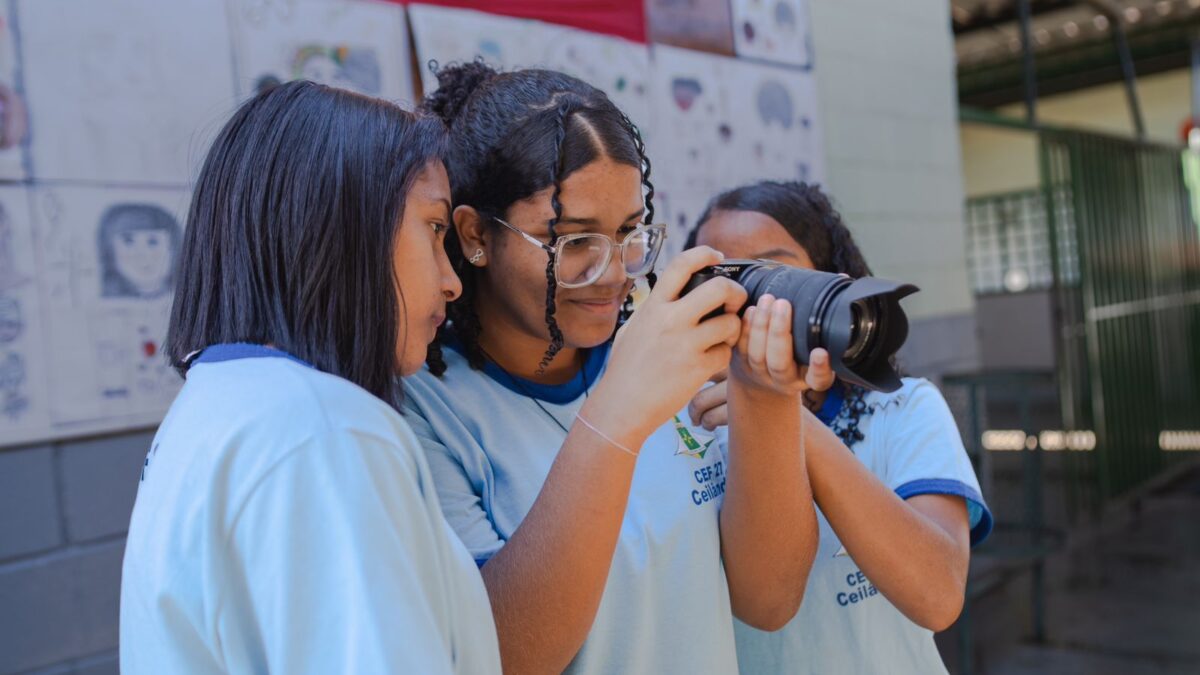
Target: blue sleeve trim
978 514
480 562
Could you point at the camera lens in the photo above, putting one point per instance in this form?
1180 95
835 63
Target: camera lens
858 321
864 318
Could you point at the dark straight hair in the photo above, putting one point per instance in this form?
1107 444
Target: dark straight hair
290 233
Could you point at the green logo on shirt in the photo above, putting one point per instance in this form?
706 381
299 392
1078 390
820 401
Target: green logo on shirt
692 444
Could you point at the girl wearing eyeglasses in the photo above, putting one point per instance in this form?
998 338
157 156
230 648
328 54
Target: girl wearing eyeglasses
614 535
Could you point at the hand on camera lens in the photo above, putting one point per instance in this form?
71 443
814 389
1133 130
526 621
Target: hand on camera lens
764 357
710 407
666 352
818 374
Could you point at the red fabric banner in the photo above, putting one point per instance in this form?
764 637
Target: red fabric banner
623 18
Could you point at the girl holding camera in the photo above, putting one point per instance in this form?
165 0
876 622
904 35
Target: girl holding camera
898 502
614 535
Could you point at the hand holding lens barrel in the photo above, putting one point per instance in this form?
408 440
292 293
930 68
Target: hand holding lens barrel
858 322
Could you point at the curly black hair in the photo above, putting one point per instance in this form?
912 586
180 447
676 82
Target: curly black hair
809 217
513 134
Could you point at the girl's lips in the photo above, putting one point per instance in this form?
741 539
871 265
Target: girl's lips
599 305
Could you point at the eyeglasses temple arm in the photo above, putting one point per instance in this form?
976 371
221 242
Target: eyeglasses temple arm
528 237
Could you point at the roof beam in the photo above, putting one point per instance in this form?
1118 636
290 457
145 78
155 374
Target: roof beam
1006 13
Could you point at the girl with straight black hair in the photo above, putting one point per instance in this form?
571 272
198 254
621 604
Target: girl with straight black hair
285 520
614 535
898 502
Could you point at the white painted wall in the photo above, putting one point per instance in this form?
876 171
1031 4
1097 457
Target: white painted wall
886 85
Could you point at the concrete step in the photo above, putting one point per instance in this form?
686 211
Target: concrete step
1030 660
1122 594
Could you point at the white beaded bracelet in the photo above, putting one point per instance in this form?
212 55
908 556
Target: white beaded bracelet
601 434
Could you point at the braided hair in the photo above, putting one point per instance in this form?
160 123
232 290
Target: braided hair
809 217
513 134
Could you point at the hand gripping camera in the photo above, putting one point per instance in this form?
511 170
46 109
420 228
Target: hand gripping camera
858 321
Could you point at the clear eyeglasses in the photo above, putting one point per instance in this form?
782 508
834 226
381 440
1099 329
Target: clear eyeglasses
581 259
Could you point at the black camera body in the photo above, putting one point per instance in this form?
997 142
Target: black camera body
858 321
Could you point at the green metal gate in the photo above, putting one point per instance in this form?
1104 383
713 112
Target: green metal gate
1116 215
1129 361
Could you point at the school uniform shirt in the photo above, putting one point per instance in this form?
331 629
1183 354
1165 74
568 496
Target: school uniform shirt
286 522
845 625
665 607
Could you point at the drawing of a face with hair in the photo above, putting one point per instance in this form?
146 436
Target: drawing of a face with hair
138 246
353 68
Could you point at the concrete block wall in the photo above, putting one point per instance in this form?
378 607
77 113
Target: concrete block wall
888 98
64 510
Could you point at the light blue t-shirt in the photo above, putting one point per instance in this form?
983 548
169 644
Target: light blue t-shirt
845 625
665 607
286 522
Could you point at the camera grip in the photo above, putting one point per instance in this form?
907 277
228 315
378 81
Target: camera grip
697 279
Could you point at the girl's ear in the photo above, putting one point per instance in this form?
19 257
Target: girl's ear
472 229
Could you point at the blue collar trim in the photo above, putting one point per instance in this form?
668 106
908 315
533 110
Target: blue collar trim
243 350
558 394
834 398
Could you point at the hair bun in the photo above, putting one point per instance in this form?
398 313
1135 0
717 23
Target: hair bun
456 83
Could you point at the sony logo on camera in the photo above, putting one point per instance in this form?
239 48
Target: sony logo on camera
732 269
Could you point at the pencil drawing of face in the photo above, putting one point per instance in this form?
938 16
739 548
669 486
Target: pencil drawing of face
138 246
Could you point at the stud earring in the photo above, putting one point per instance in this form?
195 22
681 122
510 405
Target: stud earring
474 260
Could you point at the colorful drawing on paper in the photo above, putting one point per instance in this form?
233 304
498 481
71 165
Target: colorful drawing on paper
725 122
772 30
359 45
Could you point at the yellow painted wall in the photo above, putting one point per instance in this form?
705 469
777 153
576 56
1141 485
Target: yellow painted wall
1165 99
1000 160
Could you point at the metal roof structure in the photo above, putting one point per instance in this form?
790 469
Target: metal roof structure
1075 43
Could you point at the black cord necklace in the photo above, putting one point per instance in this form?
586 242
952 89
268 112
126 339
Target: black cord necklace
525 390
